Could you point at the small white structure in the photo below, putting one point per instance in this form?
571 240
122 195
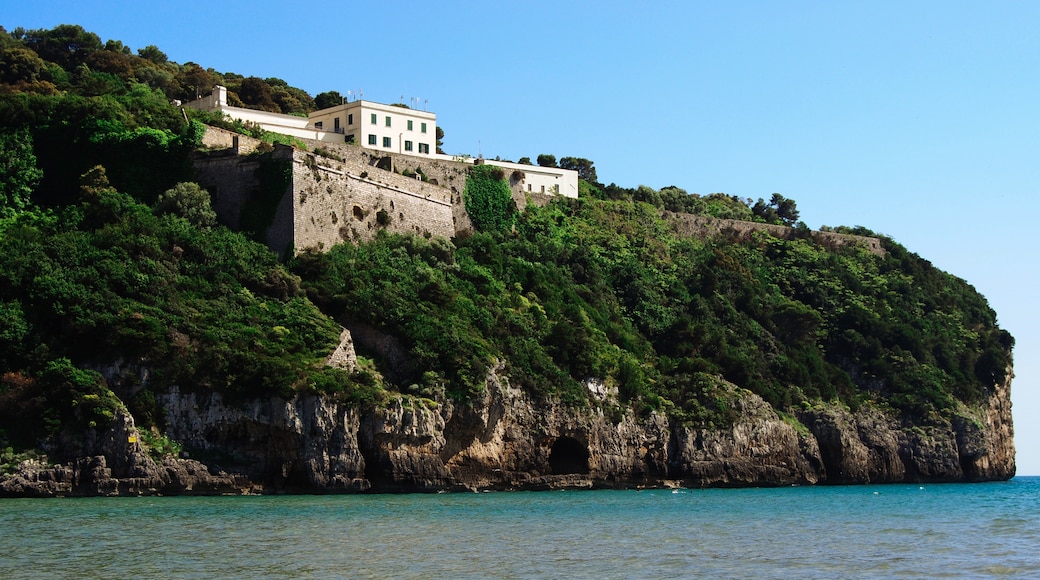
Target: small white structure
547 180
275 122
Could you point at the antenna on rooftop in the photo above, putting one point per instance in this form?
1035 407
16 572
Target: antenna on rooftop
426 104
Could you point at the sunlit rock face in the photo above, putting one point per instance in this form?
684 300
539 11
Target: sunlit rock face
503 440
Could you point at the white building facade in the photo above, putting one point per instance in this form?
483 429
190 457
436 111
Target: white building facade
393 129
390 128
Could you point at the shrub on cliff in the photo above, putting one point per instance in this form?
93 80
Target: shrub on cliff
189 201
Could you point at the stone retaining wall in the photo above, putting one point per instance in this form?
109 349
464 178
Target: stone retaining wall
343 192
705 226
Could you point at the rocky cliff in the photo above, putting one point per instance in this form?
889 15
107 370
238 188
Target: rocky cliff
506 441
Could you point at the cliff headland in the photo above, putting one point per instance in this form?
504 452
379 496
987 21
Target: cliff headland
194 305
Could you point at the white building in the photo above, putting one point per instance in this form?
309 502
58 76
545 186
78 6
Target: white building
379 127
390 128
393 129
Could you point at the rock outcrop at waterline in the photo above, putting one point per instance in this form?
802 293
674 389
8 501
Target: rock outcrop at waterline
506 441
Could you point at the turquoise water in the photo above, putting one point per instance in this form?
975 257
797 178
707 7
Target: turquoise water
913 531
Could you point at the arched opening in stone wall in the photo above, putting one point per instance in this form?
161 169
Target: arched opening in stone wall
568 456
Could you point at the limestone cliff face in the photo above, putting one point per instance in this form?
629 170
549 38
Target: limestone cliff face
505 440
869 446
113 462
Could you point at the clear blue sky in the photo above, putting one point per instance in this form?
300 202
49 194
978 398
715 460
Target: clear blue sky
915 119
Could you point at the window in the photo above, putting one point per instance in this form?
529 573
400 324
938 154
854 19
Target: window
350 119
424 148
336 123
407 145
422 127
409 124
386 142
371 139
388 120
317 125
374 121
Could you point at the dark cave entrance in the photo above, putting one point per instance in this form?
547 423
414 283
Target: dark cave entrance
567 457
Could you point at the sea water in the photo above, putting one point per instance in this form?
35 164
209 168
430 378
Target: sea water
871 531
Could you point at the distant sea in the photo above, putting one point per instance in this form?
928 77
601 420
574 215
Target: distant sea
872 531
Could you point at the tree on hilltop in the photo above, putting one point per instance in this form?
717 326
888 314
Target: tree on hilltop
328 99
583 166
194 81
67 45
257 94
546 160
153 54
779 210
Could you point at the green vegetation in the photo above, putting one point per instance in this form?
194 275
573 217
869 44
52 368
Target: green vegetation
605 289
109 280
215 119
488 199
9 459
19 175
159 445
110 259
189 201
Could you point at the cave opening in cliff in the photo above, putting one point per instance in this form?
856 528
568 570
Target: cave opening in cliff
568 456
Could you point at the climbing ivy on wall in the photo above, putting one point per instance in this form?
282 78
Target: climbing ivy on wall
488 200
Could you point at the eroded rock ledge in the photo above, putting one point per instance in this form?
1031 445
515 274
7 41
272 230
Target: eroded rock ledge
505 441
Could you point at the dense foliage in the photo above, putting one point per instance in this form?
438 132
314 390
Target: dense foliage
488 199
602 289
110 260
108 280
68 57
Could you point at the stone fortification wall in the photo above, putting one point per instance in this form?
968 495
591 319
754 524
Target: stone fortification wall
707 227
447 173
337 200
231 180
344 193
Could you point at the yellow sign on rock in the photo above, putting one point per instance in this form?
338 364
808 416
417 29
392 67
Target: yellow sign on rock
131 439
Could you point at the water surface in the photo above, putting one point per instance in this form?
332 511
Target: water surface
955 530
